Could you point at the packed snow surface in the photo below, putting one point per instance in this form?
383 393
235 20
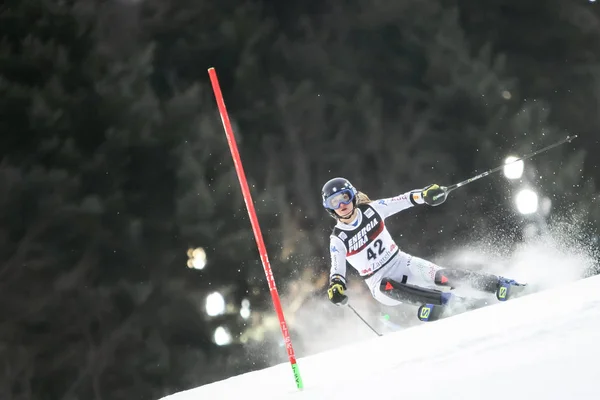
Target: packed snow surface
542 346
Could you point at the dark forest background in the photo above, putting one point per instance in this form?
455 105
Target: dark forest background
113 163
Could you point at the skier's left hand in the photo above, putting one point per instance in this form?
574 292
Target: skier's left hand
434 195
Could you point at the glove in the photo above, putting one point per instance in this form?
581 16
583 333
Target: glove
336 292
434 195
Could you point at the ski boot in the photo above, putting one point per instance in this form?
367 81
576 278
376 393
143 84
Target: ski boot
432 312
508 288
451 305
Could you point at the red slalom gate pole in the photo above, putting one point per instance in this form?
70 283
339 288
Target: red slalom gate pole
255 226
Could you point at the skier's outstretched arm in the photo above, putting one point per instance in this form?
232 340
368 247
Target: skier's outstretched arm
393 205
337 274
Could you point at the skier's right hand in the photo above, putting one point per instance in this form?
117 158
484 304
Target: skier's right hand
336 292
434 195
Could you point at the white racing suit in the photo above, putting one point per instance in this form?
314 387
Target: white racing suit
369 248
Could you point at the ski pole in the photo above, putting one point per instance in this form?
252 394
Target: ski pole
363 320
450 188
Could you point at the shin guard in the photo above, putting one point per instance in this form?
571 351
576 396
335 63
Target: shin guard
457 277
412 294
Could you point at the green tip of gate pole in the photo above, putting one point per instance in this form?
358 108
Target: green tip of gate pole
297 376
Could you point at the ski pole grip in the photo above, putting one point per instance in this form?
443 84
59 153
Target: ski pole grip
446 191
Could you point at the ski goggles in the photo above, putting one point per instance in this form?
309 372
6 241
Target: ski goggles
335 201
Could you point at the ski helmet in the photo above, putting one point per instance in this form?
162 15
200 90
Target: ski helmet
335 192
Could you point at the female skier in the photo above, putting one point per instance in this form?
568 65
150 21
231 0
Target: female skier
361 239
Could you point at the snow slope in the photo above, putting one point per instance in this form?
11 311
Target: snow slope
542 346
